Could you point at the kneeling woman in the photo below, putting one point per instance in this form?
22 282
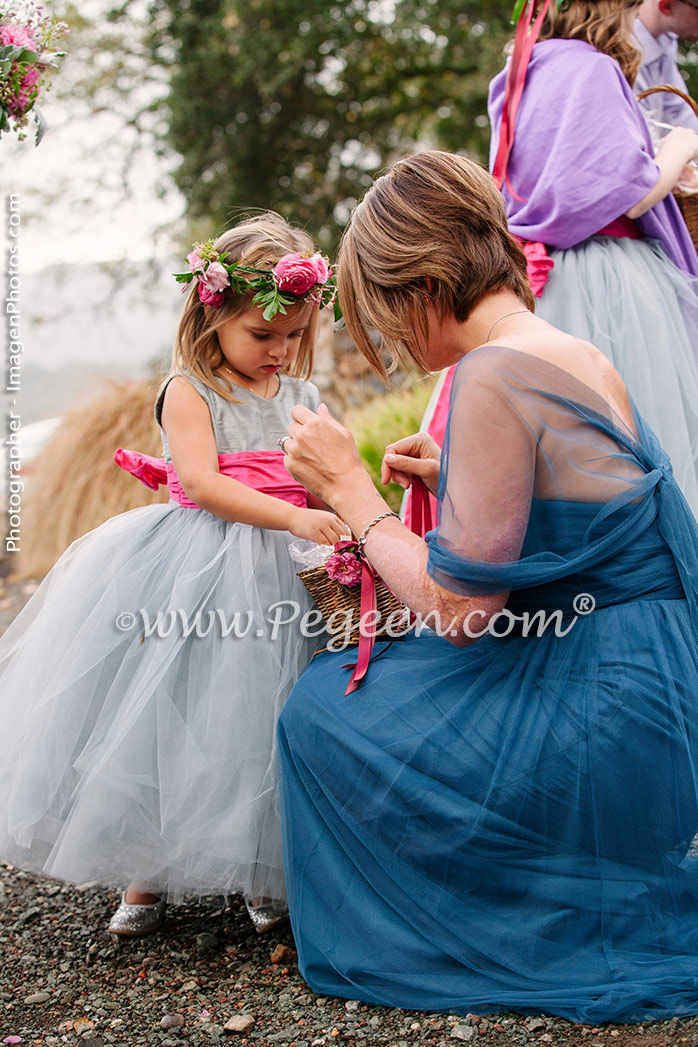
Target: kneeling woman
499 823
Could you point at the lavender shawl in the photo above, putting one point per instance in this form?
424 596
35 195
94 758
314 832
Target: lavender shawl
582 153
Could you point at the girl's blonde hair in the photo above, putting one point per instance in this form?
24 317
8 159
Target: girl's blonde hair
261 241
599 23
433 229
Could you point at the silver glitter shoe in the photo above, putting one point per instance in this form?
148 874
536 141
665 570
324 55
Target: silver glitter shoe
135 921
265 917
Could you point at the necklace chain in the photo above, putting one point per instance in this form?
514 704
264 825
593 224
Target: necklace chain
515 312
237 379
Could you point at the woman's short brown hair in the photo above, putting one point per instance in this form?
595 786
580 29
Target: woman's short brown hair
599 23
433 229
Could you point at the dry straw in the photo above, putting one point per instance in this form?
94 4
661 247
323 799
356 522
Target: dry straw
74 485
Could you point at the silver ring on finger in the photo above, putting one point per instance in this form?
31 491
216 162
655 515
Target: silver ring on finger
282 443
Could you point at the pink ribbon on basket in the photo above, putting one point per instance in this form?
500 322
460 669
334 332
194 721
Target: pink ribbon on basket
420 523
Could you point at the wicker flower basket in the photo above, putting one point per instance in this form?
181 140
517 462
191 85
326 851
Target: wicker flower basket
340 606
688 202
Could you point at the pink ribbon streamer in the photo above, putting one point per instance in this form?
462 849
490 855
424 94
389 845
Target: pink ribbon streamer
421 523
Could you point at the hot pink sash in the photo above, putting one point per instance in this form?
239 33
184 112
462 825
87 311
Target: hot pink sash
262 470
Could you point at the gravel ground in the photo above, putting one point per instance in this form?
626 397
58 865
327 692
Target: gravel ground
207 978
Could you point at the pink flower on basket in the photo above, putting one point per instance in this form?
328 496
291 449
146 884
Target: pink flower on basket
344 568
208 297
296 274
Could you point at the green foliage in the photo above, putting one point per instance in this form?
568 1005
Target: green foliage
297 104
688 61
383 420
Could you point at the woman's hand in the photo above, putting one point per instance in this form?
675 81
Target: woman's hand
317 525
412 456
321 453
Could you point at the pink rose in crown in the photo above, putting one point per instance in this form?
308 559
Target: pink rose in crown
296 274
208 297
196 262
344 568
216 277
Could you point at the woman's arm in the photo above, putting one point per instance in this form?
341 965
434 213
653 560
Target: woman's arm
187 423
676 150
323 456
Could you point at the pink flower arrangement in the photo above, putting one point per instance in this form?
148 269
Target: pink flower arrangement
294 278
297 274
24 58
344 568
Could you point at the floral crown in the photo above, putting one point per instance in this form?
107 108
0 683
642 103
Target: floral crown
294 278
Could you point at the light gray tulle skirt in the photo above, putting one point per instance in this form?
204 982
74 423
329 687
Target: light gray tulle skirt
130 752
627 298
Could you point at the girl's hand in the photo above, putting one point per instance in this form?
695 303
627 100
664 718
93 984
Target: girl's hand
412 456
322 454
688 180
317 525
681 143
675 151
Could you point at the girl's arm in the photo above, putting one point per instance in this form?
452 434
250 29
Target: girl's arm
675 151
187 423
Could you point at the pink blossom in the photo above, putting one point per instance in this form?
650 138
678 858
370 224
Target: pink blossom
28 92
196 262
209 297
17 35
12 1039
26 95
216 277
296 274
344 568
538 264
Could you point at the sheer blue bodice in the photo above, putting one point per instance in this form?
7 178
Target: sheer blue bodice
507 825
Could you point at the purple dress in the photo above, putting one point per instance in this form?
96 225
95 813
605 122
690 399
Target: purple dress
582 157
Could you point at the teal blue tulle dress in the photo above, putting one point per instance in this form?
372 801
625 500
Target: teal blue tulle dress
508 825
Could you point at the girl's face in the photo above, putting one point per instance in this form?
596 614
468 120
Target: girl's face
256 348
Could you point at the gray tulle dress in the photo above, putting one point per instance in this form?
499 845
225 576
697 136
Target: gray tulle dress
152 758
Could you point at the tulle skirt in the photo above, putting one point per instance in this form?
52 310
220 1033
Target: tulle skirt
138 749
628 299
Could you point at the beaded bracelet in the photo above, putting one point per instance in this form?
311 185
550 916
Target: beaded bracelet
364 534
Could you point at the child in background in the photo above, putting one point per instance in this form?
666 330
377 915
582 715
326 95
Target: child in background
609 254
142 755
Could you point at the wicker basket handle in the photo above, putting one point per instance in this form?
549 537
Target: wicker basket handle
670 90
